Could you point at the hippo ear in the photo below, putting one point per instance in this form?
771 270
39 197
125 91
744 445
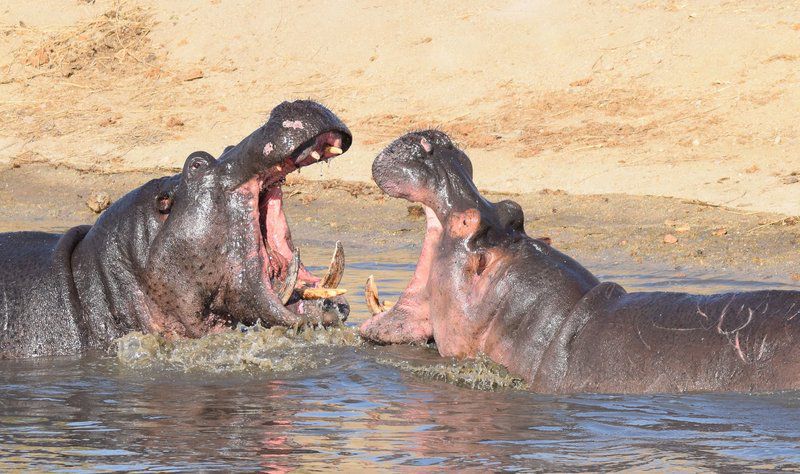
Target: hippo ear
511 215
163 202
198 163
228 148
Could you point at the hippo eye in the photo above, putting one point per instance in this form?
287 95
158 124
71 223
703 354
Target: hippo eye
198 160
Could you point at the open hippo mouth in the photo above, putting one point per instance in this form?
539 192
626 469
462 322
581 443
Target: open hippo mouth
221 251
407 319
261 276
287 276
407 169
458 257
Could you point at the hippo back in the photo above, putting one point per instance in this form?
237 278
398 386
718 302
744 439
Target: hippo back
38 310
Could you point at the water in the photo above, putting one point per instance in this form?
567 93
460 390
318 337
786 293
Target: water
277 401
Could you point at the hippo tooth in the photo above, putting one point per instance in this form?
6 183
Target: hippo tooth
315 154
371 296
321 293
286 290
335 269
334 150
303 155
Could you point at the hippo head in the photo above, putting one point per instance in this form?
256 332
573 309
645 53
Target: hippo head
448 297
215 248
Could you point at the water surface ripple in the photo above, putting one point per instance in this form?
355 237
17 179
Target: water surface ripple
347 405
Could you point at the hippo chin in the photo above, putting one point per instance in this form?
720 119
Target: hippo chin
482 286
182 255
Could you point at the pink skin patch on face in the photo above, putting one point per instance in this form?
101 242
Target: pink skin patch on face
426 145
464 224
268 148
296 124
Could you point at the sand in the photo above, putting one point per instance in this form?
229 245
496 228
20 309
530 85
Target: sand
696 100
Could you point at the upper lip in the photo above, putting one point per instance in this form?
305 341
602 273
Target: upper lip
320 148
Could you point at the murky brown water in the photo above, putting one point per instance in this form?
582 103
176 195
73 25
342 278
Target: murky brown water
276 400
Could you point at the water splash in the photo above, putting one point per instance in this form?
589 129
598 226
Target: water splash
275 349
480 373
281 350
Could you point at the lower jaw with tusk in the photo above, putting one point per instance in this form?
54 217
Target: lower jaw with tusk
374 303
328 284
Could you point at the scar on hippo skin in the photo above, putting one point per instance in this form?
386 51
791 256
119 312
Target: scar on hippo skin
183 255
545 317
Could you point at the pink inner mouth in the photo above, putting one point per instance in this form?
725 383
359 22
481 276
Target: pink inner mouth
409 319
274 229
419 281
278 239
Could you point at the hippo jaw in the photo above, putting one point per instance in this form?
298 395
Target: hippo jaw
286 276
426 167
223 253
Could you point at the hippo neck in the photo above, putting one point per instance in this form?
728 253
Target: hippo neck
108 293
545 286
105 265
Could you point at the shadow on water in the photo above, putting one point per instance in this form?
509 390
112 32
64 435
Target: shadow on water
277 400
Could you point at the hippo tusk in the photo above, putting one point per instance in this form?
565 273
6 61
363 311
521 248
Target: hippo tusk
315 154
286 290
371 296
334 150
335 269
374 303
321 293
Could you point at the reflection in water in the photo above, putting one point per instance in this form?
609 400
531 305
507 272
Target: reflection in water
330 402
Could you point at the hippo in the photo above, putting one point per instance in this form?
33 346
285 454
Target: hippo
481 285
181 256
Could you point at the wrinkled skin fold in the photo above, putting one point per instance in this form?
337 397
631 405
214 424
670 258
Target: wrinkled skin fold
183 255
483 286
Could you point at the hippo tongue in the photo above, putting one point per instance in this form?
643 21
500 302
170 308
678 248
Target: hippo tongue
278 238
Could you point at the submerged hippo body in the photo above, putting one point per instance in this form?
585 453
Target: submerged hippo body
182 255
483 286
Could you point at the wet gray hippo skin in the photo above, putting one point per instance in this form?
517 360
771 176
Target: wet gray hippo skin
182 255
483 286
